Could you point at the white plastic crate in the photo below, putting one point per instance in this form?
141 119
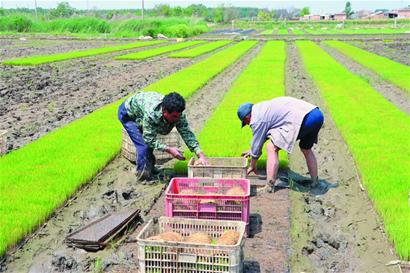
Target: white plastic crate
181 257
3 142
219 167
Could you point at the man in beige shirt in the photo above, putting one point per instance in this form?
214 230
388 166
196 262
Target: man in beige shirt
282 120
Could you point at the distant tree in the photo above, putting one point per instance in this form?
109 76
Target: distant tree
348 10
304 11
163 10
219 14
264 15
2 12
63 9
177 11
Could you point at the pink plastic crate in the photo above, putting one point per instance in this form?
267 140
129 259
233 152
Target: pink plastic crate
204 198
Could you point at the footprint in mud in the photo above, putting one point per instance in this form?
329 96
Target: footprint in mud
62 262
327 250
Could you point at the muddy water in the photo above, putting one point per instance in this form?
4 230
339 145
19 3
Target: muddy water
335 230
400 98
114 189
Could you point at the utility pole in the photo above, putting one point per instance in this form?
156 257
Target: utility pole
35 8
88 6
142 9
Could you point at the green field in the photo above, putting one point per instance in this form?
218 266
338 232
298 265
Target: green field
377 136
42 175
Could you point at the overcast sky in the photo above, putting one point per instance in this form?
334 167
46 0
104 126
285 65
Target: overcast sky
318 6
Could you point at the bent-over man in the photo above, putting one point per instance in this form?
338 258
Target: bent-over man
282 121
146 114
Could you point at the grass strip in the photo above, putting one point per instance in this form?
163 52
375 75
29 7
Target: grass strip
262 79
377 134
394 72
199 50
37 60
142 55
39 177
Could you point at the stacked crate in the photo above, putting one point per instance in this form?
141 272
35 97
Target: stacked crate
213 199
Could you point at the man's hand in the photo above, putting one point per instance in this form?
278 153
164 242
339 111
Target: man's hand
175 153
202 160
252 168
246 154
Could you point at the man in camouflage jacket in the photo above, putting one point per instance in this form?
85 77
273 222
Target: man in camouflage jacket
146 114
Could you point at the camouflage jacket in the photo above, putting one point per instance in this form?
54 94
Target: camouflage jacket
146 109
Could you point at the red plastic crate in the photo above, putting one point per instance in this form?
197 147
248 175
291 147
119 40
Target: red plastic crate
208 199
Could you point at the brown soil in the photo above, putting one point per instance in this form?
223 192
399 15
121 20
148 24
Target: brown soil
392 93
114 189
329 234
36 100
398 51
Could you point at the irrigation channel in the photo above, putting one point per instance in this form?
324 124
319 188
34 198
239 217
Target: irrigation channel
297 229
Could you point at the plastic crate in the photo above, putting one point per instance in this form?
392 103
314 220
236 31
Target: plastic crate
209 199
3 142
180 257
219 167
129 152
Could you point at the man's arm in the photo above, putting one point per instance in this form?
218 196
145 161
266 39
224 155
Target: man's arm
259 131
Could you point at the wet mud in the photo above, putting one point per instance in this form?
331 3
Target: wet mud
334 229
36 100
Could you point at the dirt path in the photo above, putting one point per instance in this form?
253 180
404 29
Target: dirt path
398 51
392 93
113 189
336 230
36 100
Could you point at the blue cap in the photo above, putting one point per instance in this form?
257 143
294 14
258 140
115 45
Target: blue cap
244 110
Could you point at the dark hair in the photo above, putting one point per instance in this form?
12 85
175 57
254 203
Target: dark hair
173 102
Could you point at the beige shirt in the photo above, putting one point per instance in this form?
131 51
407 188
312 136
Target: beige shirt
278 119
